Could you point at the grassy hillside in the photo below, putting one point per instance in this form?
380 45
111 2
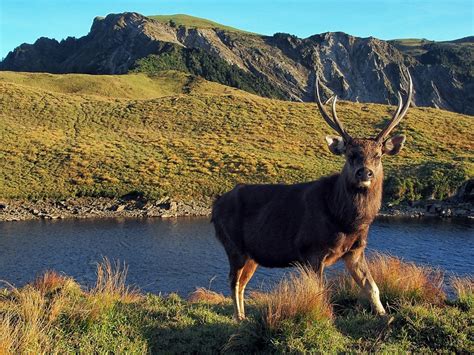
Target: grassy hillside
129 86
54 315
104 141
192 22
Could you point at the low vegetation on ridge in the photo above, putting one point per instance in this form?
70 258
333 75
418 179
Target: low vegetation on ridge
54 314
192 22
175 135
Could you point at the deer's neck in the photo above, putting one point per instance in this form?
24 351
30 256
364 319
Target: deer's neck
355 208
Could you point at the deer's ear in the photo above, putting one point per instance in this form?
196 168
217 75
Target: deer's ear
336 144
393 145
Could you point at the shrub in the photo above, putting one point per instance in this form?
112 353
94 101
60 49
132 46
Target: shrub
200 63
426 181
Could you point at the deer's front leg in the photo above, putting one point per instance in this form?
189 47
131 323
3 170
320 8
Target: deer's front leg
358 268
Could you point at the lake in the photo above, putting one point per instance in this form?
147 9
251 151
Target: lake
177 255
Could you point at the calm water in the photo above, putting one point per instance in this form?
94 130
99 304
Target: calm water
178 255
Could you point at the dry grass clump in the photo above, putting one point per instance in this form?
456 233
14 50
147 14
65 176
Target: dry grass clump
397 280
111 277
110 288
31 316
202 294
49 282
28 315
300 295
464 288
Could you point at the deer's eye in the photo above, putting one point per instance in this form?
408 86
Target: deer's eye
377 156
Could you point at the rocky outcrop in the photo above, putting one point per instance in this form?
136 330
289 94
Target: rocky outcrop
356 69
99 208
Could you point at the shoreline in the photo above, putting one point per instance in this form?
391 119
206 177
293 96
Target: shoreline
102 207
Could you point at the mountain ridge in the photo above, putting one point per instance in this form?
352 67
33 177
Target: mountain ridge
281 66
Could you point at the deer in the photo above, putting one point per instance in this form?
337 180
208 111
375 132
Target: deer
313 223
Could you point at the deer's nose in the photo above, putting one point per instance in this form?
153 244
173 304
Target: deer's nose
364 174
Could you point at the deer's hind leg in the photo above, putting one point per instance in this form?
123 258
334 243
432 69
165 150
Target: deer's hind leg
245 276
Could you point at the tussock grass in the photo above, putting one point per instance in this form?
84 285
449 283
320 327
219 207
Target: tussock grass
464 288
54 315
301 295
39 317
202 294
111 281
49 282
397 280
294 317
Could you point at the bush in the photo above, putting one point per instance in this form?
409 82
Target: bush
200 63
427 181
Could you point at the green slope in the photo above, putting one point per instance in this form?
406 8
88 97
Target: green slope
193 22
193 146
129 86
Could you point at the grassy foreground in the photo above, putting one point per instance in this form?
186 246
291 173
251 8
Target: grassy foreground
175 135
54 315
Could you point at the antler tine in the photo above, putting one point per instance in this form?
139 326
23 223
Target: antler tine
400 113
334 123
336 119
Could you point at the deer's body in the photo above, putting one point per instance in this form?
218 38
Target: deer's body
315 223
307 221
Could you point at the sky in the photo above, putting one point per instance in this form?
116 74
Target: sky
26 20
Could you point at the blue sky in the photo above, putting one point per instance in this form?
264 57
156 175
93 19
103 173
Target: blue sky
26 20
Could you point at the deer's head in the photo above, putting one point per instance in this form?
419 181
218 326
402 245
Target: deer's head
364 155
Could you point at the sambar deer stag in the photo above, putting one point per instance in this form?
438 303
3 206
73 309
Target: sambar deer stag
314 223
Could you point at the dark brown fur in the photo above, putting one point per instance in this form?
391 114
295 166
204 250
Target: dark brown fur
315 223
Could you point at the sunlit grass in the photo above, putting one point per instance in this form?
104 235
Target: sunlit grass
397 281
54 314
193 146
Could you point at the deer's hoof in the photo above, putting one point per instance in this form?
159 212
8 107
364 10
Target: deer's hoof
238 318
388 319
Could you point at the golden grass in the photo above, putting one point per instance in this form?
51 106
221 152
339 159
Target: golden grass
202 294
30 316
50 281
397 280
54 315
134 86
302 295
464 286
111 284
